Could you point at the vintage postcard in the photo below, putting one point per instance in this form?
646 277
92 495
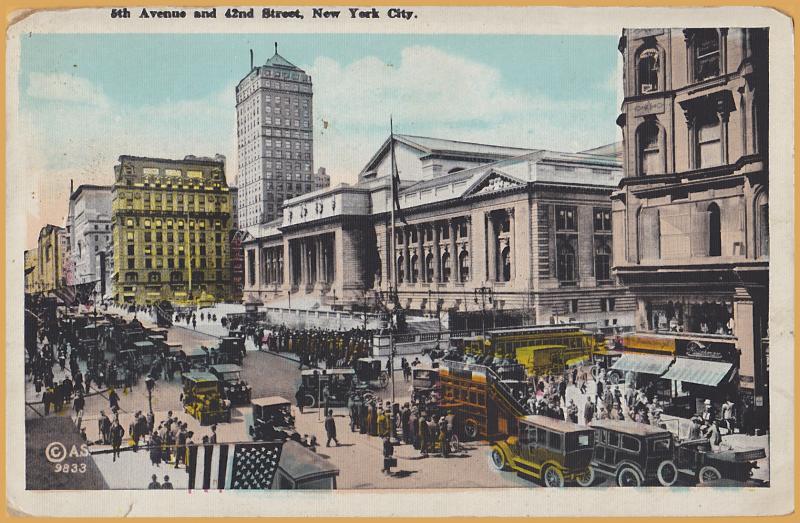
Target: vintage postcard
442 260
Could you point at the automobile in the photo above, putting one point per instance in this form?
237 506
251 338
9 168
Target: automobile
146 352
202 398
331 387
424 384
196 357
234 388
633 454
546 449
273 420
604 359
700 464
370 371
164 313
231 350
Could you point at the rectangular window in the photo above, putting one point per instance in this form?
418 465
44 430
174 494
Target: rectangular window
607 304
566 218
555 441
709 148
602 220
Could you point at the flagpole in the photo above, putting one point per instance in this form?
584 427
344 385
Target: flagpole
393 285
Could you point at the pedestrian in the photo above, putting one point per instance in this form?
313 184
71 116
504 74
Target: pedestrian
155 449
424 436
562 390
405 422
113 400
383 424
104 426
47 399
712 433
180 448
588 411
695 431
298 396
363 417
572 411
729 416
117 433
599 389
388 456
330 428
352 402
213 439
167 484
444 445
154 484
194 322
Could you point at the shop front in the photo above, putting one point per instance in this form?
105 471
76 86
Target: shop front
645 358
705 368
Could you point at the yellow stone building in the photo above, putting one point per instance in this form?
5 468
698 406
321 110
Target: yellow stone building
170 223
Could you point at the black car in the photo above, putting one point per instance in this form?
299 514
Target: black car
328 387
234 388
272 420
231 350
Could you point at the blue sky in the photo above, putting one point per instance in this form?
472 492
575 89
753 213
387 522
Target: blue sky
86 99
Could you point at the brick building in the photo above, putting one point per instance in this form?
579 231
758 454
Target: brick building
530 227
691 220
171 223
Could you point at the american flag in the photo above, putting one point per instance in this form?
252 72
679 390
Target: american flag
233 466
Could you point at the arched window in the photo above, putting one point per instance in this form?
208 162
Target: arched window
648 69
602 262
401 269
762 224
565 262
505 257
414 268
80 249
446 267
429 267
463 265
714 231
648 136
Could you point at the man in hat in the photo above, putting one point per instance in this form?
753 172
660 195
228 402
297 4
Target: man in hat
423 435
709 412
695 430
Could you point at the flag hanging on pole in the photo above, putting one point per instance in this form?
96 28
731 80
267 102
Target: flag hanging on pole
395 177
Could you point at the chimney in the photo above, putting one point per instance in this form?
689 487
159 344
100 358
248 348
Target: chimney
251 59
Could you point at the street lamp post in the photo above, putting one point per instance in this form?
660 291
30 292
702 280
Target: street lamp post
486 294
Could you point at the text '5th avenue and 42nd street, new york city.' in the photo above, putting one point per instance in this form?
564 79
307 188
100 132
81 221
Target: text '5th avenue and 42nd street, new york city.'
266 12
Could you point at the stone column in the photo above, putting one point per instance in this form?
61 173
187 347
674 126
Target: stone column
303 262
724 116
437 255
455 274
320 271
420 254
512 244
690 120
406 254
289 265
491 249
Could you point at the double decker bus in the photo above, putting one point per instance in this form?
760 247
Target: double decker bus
540 349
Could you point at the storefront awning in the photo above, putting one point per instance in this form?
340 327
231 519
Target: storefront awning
701 372
643 363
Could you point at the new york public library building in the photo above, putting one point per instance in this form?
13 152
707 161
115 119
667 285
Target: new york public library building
505 234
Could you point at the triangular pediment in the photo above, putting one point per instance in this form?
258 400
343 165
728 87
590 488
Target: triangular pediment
493 181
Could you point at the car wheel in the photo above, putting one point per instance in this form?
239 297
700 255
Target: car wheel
708 473
629 477
667 473
614 378
471 429
309 400
498 459
586 479
455 445
553 477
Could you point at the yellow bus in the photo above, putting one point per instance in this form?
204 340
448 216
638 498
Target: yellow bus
546 348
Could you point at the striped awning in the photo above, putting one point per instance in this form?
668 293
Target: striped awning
643 363
702 372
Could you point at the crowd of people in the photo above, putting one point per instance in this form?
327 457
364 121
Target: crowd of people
314 347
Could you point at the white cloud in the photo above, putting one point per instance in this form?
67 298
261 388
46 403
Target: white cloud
433 92
64 87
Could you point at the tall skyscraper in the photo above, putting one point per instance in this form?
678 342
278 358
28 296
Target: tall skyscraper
275 144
